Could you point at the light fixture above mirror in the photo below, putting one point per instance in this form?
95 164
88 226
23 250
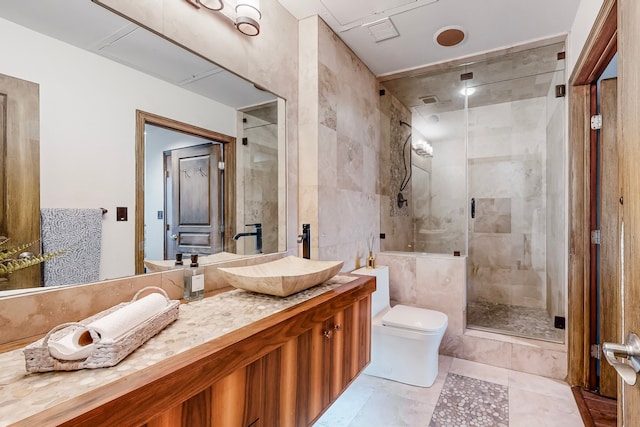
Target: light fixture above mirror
245 14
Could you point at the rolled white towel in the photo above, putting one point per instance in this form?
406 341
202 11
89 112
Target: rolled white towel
109 328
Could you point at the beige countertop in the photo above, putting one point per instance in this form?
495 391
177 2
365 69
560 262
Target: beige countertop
23 394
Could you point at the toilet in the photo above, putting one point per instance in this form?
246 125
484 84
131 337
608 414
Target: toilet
404 340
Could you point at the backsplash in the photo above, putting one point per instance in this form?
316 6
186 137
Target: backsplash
33 314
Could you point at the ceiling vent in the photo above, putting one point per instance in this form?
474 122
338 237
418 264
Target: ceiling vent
430 99
382 29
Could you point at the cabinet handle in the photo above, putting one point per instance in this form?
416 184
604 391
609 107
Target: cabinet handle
327 333
337 327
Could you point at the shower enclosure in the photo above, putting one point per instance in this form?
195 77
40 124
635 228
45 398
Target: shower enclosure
488 180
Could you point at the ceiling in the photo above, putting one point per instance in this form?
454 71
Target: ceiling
488 24
86 25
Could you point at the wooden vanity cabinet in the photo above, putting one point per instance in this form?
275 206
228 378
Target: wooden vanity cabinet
282 371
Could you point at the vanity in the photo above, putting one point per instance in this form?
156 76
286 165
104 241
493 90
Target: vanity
233 359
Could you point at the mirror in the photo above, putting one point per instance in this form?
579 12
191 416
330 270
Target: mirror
93 86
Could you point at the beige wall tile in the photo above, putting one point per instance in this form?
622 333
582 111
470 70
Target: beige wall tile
490 352
539 361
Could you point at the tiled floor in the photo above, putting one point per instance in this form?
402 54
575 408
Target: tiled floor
375 402
514 320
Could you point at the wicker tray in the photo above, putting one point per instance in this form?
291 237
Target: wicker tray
105 354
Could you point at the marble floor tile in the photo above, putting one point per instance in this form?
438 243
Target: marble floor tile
377 402
345 409
541 385
383 409
531 409
480 371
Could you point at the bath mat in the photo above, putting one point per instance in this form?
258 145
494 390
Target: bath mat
469 402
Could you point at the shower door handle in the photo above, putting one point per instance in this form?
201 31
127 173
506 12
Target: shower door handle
473 207
629 351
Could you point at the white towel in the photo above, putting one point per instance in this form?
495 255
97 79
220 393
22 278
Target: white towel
79 345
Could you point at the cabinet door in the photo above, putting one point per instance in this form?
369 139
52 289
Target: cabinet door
351 344
330 356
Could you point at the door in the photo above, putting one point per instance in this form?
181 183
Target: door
195 192
610 228
20 173
629 134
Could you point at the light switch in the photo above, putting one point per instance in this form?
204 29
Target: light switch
121 214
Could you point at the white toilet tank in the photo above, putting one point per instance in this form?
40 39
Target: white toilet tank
380 298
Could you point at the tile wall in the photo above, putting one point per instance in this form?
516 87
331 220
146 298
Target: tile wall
396 223
339 146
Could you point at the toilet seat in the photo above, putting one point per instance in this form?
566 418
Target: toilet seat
414 318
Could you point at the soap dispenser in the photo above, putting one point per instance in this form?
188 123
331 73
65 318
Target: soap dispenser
179 262
193 280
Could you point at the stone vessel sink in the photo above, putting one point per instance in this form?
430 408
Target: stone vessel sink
283 277
164 265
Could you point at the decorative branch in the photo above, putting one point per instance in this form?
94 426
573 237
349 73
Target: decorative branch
9 252
370 241
9 265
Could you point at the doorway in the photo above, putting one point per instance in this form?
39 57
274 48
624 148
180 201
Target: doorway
595 273
227 156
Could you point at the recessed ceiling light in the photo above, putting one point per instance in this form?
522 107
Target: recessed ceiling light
449 36
468 91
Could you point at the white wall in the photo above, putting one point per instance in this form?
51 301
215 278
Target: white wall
585 17
87 129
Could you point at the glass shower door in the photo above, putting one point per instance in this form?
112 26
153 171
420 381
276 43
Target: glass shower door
516 172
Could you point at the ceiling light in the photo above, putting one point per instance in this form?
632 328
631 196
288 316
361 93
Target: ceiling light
212 4
245 14
422 147
468 91
449 36
248 17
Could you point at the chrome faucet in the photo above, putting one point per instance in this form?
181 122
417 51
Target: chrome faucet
257 231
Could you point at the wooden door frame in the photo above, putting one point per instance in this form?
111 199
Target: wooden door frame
229 152
599 49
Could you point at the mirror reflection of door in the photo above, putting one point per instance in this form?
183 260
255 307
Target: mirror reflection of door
200 190
20 174
193 200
